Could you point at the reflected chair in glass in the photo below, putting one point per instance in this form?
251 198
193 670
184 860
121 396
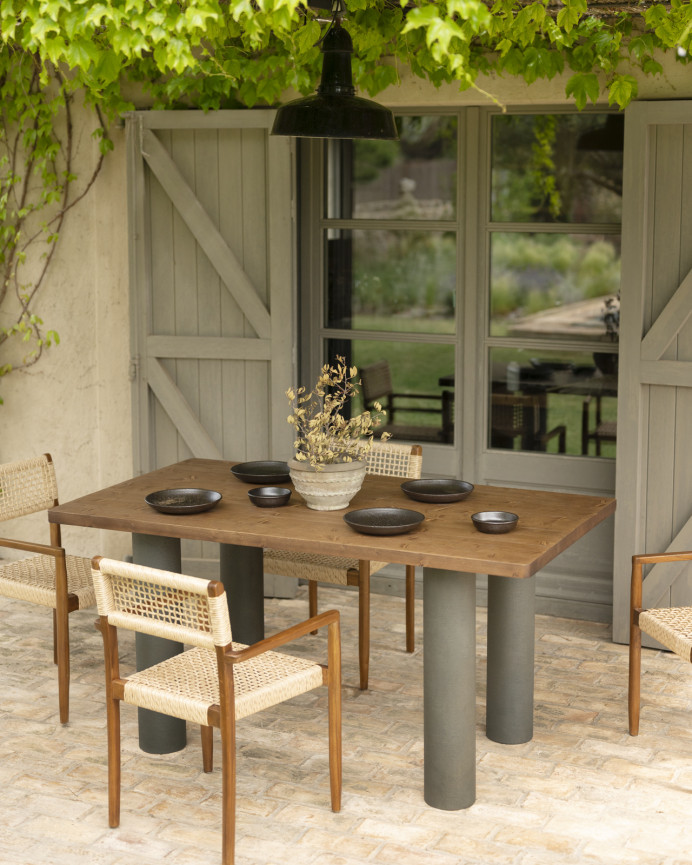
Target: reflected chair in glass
51 578
214 683
515 415
376 382
671 626
384 458
602 431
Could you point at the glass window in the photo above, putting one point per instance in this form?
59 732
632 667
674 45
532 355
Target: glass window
413 381
395 281
555 402
557 168
412 178
547 286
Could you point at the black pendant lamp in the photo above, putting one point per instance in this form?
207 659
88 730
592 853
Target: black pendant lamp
335 111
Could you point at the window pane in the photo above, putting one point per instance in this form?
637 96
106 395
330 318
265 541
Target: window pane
395 281
412 381
413 178
555 402
544 286
553 167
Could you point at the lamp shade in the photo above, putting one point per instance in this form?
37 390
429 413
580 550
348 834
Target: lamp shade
335 111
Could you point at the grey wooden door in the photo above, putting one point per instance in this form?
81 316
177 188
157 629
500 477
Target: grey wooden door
654 467
212 276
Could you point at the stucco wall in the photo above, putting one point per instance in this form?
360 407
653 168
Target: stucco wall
75 402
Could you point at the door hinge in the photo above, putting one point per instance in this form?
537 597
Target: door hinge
133 371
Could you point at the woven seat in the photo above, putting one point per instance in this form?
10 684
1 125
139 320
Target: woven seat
214 683
671 626
392 460
51 578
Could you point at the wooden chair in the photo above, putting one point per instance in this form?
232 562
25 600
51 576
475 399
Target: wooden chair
671 626
519 415
376 384
213 684
51 578
384 458
602 431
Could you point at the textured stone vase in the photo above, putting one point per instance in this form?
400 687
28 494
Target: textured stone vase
329 489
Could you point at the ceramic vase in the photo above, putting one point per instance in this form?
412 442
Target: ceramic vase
329 489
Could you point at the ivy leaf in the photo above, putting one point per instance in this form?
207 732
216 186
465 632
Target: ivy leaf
622 90
583 86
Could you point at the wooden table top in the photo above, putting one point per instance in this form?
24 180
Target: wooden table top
549 522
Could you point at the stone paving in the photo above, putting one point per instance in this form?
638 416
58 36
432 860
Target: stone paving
582 791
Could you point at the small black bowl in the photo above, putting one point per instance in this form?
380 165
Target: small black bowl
269 497
495 522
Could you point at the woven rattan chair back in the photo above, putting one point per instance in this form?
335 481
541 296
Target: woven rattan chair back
168 605
212 684
27 486
384 458
670 626
50 578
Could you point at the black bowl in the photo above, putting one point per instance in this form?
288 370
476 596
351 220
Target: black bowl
262 472
495 522
183 501
269 497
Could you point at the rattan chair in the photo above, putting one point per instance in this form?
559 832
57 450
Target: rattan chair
212 684
384 458
671 626
51 578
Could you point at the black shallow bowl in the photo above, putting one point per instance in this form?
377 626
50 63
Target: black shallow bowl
262 472
495 522
269 497
383 521
437 489
183 501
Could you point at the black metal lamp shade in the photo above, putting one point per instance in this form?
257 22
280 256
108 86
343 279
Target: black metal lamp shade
335 111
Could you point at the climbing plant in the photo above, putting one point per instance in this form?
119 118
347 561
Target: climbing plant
212 54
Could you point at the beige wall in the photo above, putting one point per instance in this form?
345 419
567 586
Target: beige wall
75 403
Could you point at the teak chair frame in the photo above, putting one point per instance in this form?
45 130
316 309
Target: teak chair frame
51 578
195 611
384 458
672 627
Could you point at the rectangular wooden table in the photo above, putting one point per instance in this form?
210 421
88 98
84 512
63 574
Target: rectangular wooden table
446 545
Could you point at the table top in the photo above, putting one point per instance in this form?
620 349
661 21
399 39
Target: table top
549 522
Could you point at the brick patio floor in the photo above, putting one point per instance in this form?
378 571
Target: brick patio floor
582 791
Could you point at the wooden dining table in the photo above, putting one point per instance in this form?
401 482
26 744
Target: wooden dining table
446 545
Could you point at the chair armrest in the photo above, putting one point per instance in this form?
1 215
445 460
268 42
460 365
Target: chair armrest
437 396
329 617
29 547
648 559
653 558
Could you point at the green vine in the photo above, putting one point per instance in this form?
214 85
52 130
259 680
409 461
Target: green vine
213 54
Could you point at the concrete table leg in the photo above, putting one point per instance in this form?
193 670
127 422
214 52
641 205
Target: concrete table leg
511 638
242 573
449 621
158 734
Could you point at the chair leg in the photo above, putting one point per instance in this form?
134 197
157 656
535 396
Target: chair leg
55 637
633 698
312 600
207 734
364 622
228 769
62 651
113 720
334 686
410 607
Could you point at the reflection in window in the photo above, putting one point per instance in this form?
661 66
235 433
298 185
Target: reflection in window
412 178
557 168
413 382
547 286
555 402
394 281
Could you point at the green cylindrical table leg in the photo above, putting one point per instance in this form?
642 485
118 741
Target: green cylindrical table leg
241 572
449 621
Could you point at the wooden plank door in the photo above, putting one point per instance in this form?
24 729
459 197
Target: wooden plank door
212 276
654 468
